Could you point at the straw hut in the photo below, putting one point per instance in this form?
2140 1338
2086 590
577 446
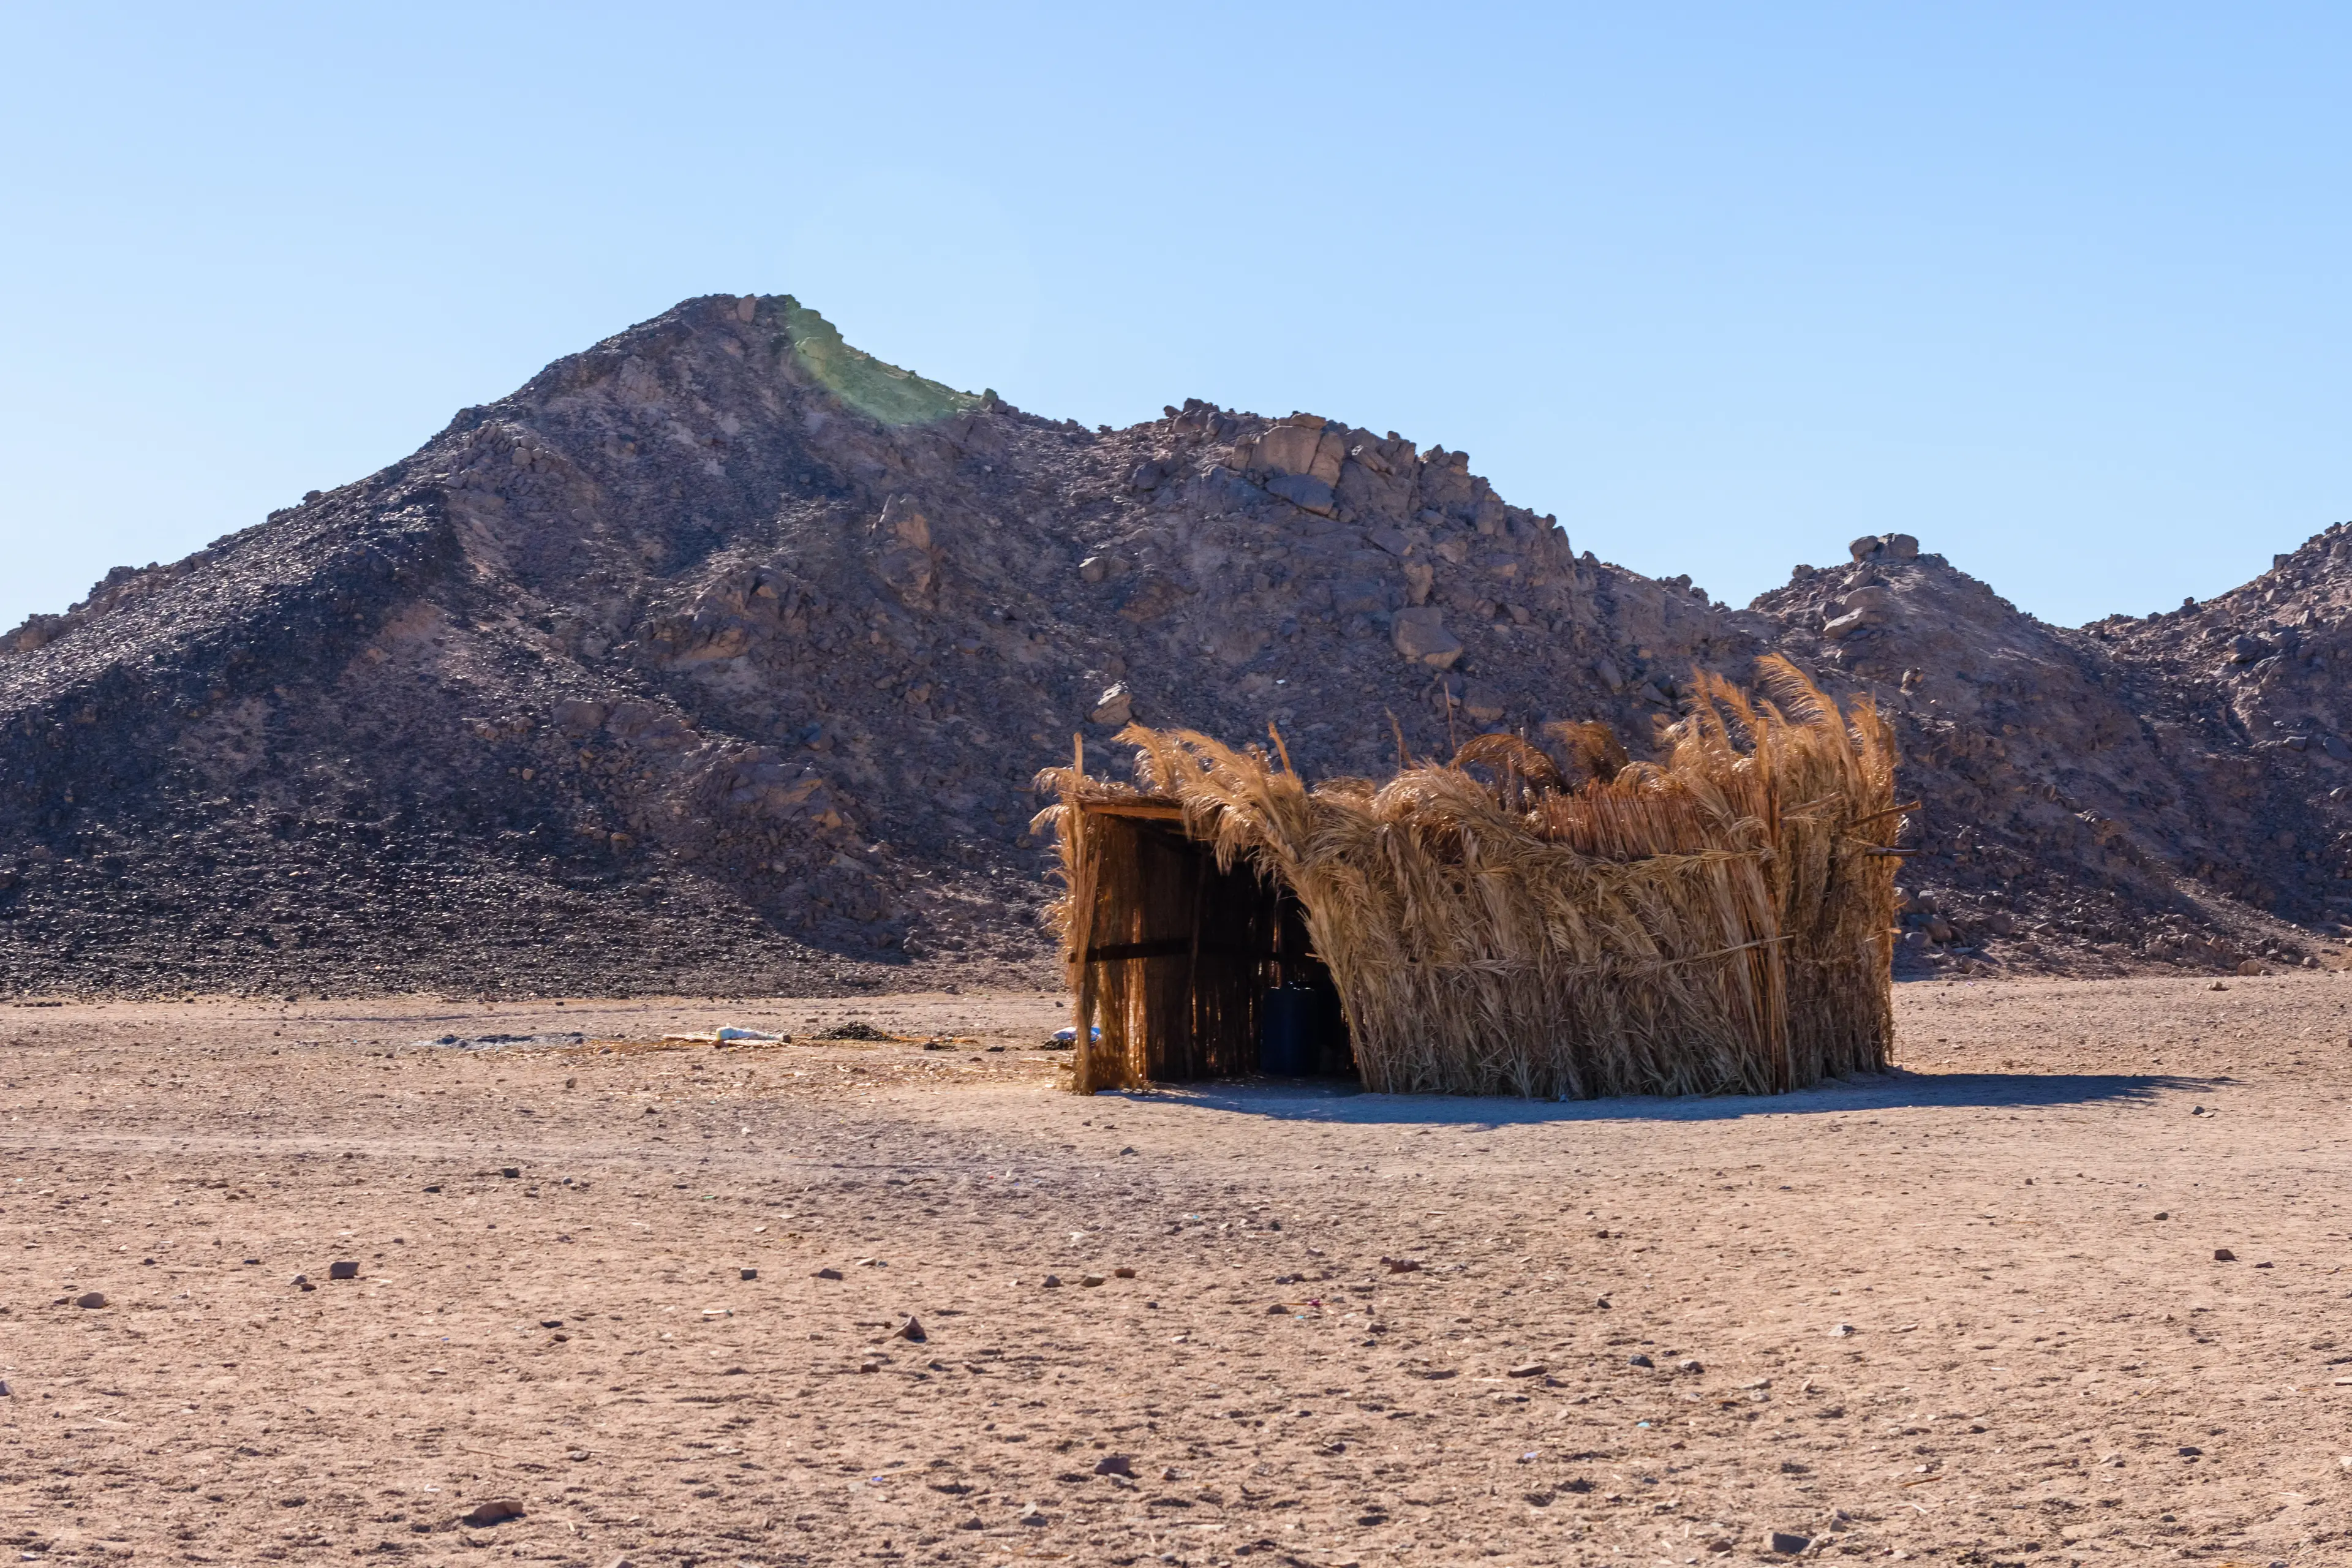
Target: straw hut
1556 923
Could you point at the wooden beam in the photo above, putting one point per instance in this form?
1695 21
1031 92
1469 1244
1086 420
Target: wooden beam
1166 811
1168 947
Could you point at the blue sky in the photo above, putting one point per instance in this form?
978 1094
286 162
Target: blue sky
2058 289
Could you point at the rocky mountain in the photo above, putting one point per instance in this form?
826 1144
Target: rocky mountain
720 658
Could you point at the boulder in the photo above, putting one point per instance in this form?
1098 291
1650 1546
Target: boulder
1115 707
906 561
1884 547
1420 635
579 718
1304 445
904 522
1306 492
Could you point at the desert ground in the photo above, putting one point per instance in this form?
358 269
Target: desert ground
1972 1311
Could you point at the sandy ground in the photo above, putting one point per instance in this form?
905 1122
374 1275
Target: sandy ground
1970 1312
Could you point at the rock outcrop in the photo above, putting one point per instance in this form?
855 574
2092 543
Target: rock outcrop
720 657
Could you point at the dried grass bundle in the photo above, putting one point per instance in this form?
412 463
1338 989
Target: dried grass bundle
1719 922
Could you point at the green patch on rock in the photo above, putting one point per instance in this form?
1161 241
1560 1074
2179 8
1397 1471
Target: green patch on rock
877 389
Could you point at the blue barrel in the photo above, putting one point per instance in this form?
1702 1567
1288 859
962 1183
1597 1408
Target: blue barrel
1290 1032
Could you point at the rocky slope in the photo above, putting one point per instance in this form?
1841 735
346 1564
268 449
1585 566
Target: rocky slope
720 658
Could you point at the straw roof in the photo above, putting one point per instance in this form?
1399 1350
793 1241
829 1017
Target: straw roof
1567 925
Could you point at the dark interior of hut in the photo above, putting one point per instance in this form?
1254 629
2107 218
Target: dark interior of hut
1201 972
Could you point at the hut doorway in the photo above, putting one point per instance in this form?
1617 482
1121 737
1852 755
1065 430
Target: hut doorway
1188 970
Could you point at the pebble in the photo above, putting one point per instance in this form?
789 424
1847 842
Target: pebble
1528 1369
911 1331
1789 1543
1401 1265
750 1273
2223 1255
1113 1465
1689 1365
826 1274
1638 1359
1090 1281
1843 1330
1053 1281
90 1298
1122 1273
344 1270
496 1511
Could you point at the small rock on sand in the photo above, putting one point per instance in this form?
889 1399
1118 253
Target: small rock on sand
1789 1543
912 1330
2223 1255
826 1274
344 1270
1113 1465
1528 1369
496 1511
90 1298
750 1273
